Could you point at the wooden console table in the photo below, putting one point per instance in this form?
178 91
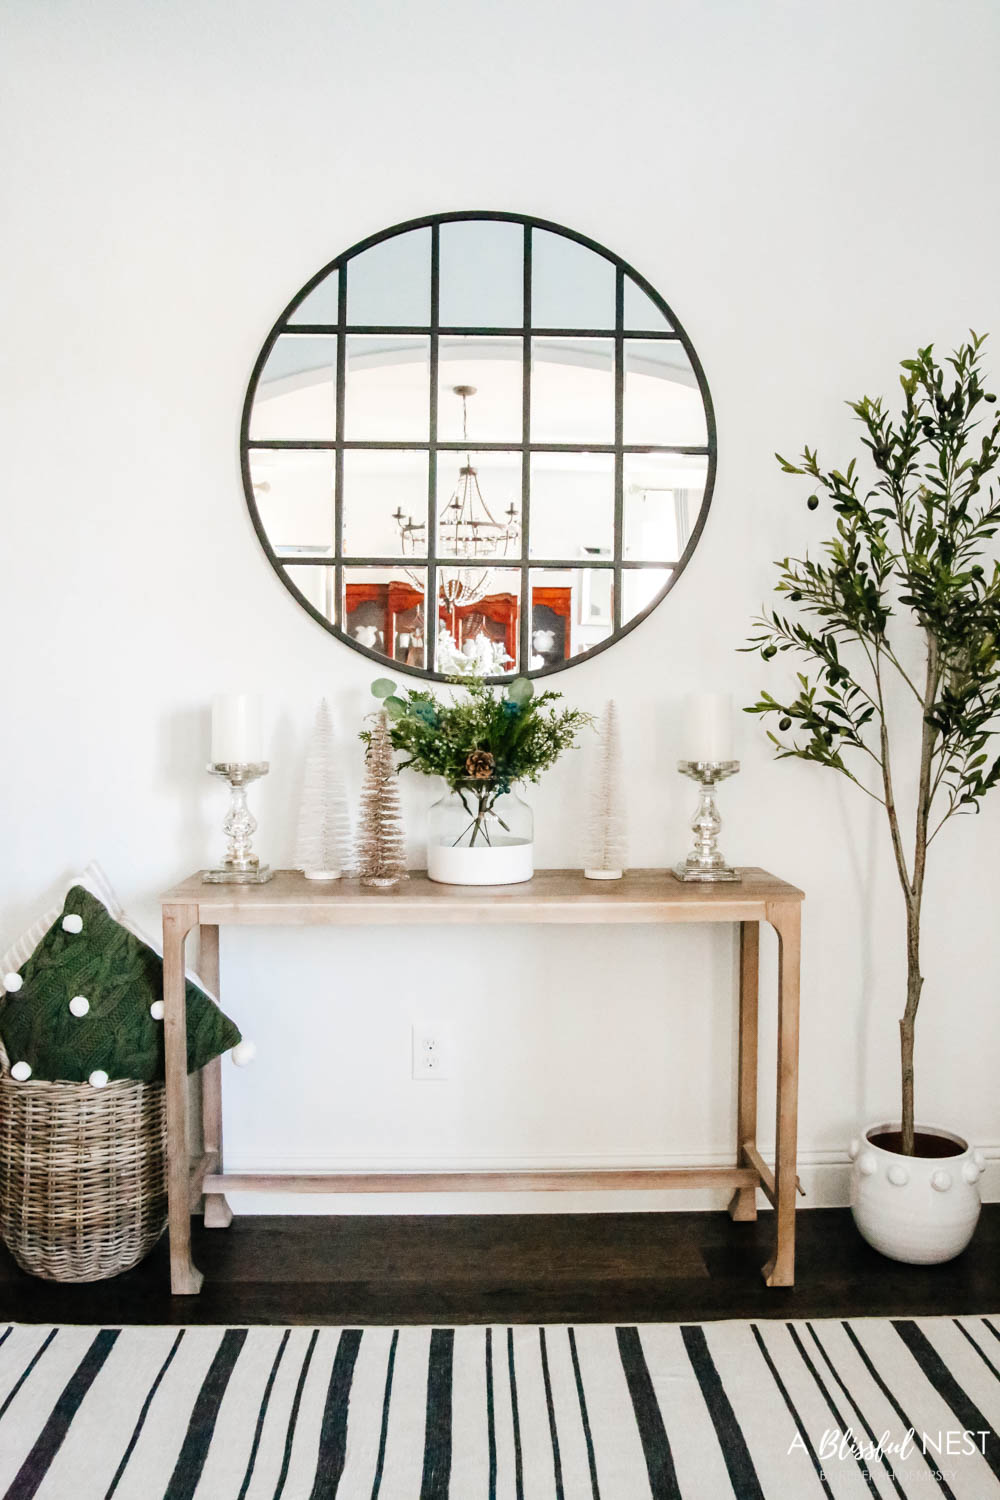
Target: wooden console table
562 896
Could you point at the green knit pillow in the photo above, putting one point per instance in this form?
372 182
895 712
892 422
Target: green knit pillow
83 1004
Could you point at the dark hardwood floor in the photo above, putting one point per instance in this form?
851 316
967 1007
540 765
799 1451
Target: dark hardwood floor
622 1268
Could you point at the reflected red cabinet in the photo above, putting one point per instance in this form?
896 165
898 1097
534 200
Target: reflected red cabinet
388 617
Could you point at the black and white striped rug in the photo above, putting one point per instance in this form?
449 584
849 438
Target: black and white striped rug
785 1411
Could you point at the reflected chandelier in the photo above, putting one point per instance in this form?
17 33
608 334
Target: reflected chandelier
467 530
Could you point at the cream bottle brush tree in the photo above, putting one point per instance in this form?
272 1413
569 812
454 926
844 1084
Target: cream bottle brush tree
913 547
605 854
323 849
381 842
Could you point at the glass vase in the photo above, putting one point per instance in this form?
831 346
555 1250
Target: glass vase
480 835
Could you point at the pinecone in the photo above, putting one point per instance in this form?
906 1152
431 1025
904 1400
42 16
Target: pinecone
480 765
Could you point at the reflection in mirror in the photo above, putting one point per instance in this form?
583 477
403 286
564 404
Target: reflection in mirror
482 275
384 612
663 403
572 504
296 392
663 498
572 391
388 389
490 371
390 284
641 314
385 502
316 585
640 586
571 286
293 492
479 614
322 303
479 504
529 516
572 611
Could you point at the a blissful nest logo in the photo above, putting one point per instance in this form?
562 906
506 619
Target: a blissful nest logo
838 1444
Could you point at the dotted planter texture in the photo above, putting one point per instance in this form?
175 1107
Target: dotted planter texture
82 1176
918 1209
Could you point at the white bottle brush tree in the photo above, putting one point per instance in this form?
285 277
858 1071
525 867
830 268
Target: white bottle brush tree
606 855
913 555
323 845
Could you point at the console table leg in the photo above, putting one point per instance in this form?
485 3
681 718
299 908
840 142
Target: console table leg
743 1204
218 1214
178 921
786 920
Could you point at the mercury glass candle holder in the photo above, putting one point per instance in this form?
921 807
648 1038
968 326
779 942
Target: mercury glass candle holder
240 865
705 861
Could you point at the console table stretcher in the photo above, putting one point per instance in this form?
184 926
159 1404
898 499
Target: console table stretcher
555 896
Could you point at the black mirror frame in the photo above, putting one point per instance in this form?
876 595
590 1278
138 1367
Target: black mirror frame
524 563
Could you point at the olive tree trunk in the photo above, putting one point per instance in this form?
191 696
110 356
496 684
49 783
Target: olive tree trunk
913 892
907 1024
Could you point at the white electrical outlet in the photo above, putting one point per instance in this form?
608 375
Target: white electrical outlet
431 1057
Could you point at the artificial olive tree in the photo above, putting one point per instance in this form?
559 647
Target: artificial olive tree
912 553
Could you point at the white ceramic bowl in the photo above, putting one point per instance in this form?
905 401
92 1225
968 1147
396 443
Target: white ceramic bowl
502 863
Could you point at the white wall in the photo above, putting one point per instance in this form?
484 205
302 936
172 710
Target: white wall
811 189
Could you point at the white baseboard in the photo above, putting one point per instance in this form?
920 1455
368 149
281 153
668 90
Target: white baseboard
825 1176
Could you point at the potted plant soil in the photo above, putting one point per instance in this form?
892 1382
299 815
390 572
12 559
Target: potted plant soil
912 556
483 744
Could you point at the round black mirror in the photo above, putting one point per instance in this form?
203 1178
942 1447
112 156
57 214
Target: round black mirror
491 412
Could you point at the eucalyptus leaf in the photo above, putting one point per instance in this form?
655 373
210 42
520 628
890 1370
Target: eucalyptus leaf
521 690
382 687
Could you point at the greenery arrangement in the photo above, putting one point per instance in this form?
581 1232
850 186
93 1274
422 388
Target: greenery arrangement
483 743
911 555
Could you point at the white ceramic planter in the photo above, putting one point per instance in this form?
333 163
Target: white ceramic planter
500 863
917 1209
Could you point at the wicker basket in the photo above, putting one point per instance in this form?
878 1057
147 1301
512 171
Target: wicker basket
83 1175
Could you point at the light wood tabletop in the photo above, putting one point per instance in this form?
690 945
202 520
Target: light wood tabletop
558 896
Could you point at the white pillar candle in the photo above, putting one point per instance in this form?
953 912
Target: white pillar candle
708 728
237 729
